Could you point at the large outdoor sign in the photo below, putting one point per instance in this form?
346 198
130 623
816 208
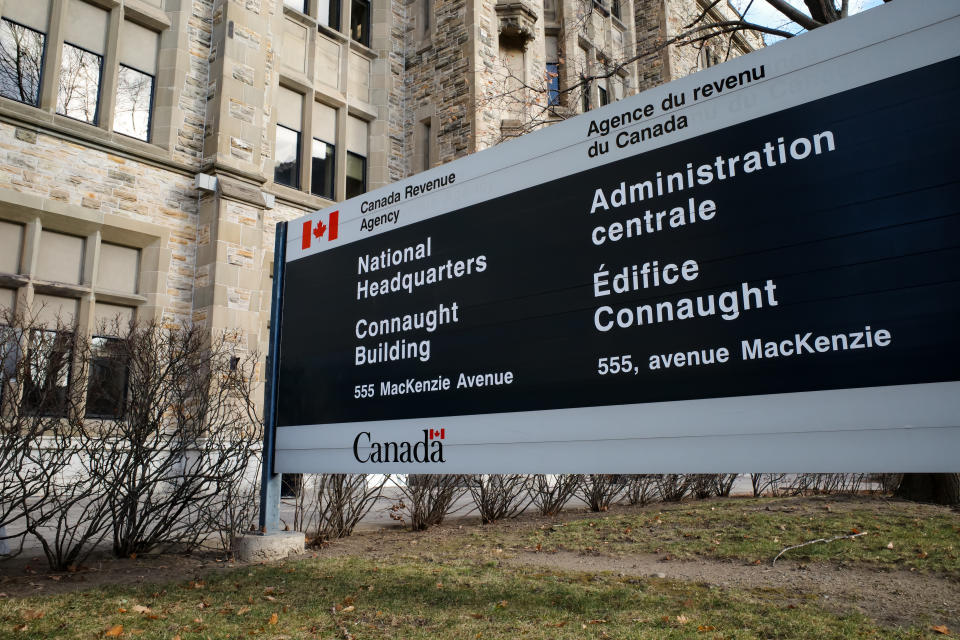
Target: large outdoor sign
755 268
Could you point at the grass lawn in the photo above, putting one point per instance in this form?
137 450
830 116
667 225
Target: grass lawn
460 583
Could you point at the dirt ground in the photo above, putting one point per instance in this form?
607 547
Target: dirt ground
891 596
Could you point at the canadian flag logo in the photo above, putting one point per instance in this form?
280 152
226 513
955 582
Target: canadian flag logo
437 434
311 231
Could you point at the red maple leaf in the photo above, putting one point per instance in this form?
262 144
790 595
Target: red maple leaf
320 230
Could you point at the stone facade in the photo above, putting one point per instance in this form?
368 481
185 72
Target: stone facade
423 81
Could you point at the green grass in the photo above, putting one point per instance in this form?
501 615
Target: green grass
923 537
455 583
358 598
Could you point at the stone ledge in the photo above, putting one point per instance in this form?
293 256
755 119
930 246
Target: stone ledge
269 547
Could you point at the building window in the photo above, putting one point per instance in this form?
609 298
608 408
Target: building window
604 99
550 10
356 157
299 5
48 367
79 90
48 379
107 378
356 175
553 84
286 168
360 21
135 81
323 162
615 8
328 13
81 63
585 100
21 61
553 71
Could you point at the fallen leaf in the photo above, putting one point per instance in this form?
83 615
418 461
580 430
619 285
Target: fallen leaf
941 629
139 608
598 621
889 545
269 598
476 616
243 610
274 618
31 614
705 627
348 609
121 610
854 531
682 619
558 625
115 631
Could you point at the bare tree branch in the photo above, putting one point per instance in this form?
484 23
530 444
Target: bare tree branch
795 14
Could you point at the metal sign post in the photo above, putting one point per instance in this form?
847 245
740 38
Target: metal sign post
269 480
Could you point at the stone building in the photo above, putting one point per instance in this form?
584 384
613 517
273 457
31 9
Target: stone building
149 147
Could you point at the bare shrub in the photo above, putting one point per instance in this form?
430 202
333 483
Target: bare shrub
767 483
51 468
189 430
723 483
702 485
599 491
888 482
640 489
551 493
235 512
427 498
499 496
330 505
672 487
819 483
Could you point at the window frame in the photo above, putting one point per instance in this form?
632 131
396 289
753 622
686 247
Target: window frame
297 161
42 408
98 104
333 172
365 33
347 177
43 62
152 102
91 381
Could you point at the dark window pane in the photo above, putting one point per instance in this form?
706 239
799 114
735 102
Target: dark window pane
21 59
286 168
48 378
615 8
329 11
586 98
134 100
604 100
79 90
360 21
553 84
107 382
356 175
9 355
322 169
